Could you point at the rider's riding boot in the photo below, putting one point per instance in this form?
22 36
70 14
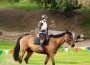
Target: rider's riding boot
41 45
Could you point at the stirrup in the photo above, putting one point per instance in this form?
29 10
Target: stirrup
41 48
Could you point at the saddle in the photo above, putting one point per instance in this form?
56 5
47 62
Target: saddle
37 41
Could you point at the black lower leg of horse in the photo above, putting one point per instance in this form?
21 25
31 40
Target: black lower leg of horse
29 53
46 60
53 63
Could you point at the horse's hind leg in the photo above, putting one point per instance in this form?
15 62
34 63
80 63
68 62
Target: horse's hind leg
21 55
46 60
29 53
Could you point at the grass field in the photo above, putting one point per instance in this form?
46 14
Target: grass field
21 5
61 58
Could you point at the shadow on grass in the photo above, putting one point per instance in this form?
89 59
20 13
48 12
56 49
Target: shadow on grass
57 62
36 62
67 62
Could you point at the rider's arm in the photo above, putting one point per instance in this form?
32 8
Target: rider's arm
47 31
40 25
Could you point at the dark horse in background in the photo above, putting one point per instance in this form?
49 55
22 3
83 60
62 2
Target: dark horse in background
26 44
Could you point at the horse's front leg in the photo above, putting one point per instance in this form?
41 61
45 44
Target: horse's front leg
46 60
52 58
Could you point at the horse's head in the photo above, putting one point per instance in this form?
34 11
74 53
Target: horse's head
69 38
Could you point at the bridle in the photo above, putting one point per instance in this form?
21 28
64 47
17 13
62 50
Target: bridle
67 45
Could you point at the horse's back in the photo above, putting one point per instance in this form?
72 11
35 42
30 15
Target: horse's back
28 41
25 40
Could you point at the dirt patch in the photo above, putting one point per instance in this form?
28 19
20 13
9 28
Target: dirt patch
21 20
85 43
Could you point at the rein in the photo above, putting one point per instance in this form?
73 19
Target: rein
67 46
64 47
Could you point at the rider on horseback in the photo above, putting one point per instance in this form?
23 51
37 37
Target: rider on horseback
43 30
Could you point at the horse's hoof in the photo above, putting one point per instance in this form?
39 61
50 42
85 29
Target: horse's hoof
20 62
26 61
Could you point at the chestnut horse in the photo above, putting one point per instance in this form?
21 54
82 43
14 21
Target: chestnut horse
26 43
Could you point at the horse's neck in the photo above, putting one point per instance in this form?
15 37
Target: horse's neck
60 41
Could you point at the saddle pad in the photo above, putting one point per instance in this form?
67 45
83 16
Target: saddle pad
37 41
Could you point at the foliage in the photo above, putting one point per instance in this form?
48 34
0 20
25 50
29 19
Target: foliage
10 1
16 0
20 5
87 34
56 4
85 10
85 23
68 6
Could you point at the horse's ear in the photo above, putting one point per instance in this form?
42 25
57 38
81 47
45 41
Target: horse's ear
67 31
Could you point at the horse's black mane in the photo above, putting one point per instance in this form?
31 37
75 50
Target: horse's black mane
60 35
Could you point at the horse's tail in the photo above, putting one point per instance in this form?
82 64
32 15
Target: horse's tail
16 50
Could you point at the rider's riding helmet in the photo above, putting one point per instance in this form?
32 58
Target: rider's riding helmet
44 16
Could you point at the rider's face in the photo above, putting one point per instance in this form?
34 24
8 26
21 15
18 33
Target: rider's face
46 18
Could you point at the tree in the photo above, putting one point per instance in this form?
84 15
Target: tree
9 1
51 4
70 6
16 0
67 6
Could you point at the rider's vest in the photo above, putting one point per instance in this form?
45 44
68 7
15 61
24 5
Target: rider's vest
44 26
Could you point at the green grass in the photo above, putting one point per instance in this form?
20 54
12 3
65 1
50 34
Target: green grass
85 10
21 5
86 33
61 58
6 45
